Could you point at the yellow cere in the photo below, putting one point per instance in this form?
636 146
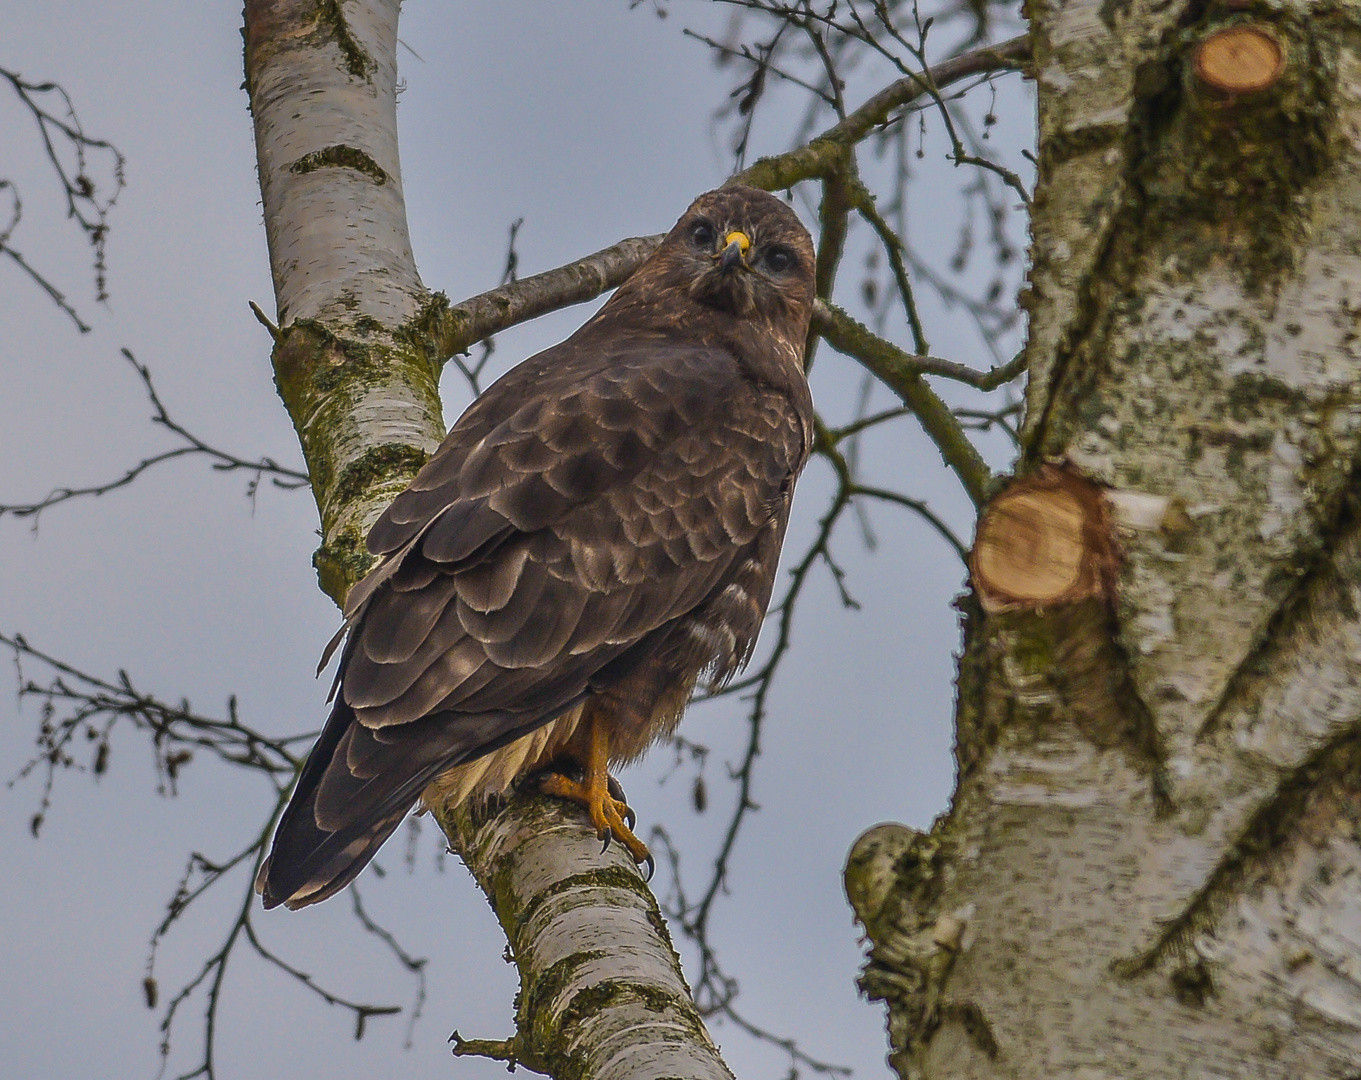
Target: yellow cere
741 239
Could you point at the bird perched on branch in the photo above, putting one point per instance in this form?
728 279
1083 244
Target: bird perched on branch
598 532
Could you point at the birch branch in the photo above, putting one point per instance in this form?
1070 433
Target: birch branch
601 989
903 372
458 328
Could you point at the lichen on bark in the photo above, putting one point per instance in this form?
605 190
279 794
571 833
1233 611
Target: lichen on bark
1153 839
365 404
602 993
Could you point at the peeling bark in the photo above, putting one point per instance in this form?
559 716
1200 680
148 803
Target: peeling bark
1153 851
357 357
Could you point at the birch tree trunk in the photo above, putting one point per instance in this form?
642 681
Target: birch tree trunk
1152 863
357 357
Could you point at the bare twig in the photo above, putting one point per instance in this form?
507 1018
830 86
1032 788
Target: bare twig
191 444
56 295
413 964
743 52
900 372
456 329
472 372
786 170
63 137
80 708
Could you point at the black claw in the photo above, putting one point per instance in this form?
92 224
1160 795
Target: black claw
616 789
630 818
606 845
651 865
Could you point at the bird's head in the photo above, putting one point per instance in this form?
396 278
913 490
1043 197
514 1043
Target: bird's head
745 252
737 268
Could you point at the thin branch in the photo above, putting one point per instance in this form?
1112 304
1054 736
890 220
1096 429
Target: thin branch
84 203
414 964
472 373
920 507
900 372
893 246
980 380
78 707
865 423
785 170
458 328
833 223
744 53
222 461
55 294
361 1012
987 419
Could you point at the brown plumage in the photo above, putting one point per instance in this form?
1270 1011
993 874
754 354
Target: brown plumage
598 531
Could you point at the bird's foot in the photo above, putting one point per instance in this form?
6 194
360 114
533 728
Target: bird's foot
610 814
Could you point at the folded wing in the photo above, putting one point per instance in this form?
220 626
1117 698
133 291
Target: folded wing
586 502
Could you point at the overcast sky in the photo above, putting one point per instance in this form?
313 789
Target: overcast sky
591 123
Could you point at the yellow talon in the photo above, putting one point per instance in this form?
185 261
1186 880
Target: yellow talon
609 815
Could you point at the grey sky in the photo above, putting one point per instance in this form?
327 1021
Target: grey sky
592 123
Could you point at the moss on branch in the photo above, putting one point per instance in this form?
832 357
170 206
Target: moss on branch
537 860
365 404
331 16
341 157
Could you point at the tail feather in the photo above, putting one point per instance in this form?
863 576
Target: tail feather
356 786
315 855
327 872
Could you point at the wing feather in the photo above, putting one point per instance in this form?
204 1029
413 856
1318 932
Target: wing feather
584 506
396 624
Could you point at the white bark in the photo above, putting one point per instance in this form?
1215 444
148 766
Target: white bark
351 362
585 932
326 139
1154 848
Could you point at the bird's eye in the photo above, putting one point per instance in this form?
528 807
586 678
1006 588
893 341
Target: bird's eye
779 258
702 234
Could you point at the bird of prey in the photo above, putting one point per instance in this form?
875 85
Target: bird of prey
598 532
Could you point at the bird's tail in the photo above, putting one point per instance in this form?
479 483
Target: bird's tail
352 793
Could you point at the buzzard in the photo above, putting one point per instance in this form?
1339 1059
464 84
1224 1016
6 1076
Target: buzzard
598 532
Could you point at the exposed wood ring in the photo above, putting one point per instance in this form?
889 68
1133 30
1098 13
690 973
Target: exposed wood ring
1239 60
1046 540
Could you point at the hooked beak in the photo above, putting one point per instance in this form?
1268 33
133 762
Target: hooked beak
735 246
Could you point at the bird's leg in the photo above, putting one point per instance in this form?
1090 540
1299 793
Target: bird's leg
595 791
